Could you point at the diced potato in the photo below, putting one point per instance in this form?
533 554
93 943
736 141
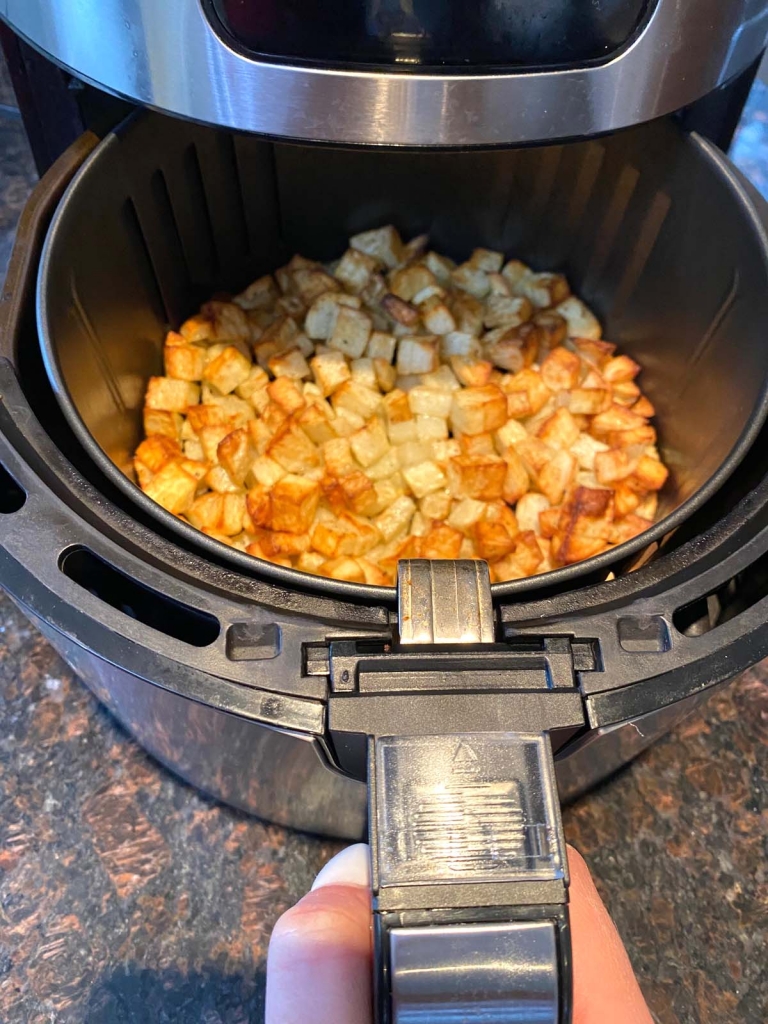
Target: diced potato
477 476
492 540
440 266
471 279
408 281
351 332
363 401
468 314
184 362
293 450
346 569
585 448
444 451
530 383
615 418
219 480
509 434
589 401
330 370
643 407
373 574
289 364
381 345
417 355
465 513
253 389
228 370
487 260
363 373
650 475
321 317
338 457
556 476
478 410
470 371
582 323
294 502
355 269
211 438
436 505
386 375
593 351
395 520
620 369
371 443
172 487
499 284
388 490
441 542
504 311
527 554
478 444
385 466
437 317
629 438
428 401
648 506
384 244
262 294
459 343
217 321
560 430
543 290
236 454
159 421
514 271
561 370
413 452
311 561
424 478
504 348
266 471
441 379
169 395
403 313
431 428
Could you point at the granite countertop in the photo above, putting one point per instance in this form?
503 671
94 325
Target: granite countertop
126 897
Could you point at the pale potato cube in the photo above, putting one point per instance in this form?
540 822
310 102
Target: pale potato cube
543 290
509 434
262 294
338 457
437 505
169 395
217 321
286 393
424 478
471 279
211 437
407 282
417 355
289 364
419 525
294 502
556 476
458 343
528 509
560 430
385 466
477 476
266 471
381 345
253 388
465 513
403 433
389 490
515 271
321 317
384 244
330 370
507 311
440 266
346 422
386 375
205 512
193 450
431 428
311 284
430 292
172 487
428 401
293 450
436 316
478 410
413 452
468 314
582 323
396 519
504 348
442 379
371 443
444 451
355 269
219 480
229 369
159 421
310 561
585 448
184 362
351 332
499 284
362 401
409 380
363 373
516 481
315 421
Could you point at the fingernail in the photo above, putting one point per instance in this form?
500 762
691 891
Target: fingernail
350 867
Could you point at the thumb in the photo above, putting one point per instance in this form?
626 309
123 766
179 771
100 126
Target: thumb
319 961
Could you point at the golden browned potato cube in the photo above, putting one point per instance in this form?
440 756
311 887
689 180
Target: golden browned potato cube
210 439
478 444
626 393
616 417
338 457
286 393
184 362
401 312
172 487
627 528
487 260
504 348
314 420
371 443
362 401
407 282
386 374
590 401
293 450
355 270
620 369
294 503
154 453
527 553
384 244
560 430
436 316
468 314
625 500
265 471
543 290
169 395
492 540
347 569
516 478
643 407
228 370
441 542
436 505
477 476
531 383
205 512
627 438
471 372
330 370
289 364
236 454
650 475
158 421
561 370
310 284
374 576
478 410
556 476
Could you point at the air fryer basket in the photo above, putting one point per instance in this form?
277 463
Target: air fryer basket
652 227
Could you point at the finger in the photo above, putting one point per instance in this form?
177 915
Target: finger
319 961
604 984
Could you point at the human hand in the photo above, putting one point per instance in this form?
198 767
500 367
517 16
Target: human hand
319 965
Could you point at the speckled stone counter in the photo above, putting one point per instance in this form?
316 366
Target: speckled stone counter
128 898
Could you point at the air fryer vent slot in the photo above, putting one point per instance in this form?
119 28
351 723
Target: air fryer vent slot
734 597
12 497
160 612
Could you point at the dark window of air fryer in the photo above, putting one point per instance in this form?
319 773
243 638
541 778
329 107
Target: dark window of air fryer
436 33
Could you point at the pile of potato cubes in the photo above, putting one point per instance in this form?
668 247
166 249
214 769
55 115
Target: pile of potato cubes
335 419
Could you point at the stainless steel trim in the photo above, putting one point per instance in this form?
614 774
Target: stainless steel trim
444 602
489 973
167 55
